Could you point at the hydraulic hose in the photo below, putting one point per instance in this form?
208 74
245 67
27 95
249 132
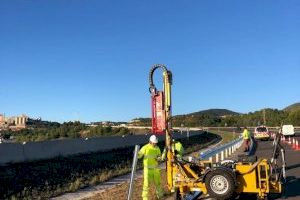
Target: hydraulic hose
152 88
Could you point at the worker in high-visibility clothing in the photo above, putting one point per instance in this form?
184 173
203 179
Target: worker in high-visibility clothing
246 138
177 148
151 154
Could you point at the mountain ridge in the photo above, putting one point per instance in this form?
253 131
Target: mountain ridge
225 117
292 107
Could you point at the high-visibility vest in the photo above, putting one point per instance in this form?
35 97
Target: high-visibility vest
246 134
150 154
178 149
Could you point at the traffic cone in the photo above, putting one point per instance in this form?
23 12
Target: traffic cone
297 146
293 143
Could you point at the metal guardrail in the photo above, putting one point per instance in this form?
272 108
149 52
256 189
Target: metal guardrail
221 152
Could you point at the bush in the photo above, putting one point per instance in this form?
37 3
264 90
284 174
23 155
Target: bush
65 130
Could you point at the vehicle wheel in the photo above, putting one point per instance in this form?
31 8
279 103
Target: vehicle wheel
220 184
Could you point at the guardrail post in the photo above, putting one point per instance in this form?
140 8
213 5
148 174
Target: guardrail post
135 158
222 152
240 143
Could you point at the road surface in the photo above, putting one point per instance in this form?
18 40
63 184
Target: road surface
292 187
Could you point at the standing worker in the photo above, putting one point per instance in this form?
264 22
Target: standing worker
151 154
246 138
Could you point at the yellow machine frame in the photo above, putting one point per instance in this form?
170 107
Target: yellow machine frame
254 178
250 177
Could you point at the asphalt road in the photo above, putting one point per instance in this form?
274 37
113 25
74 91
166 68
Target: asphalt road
292 187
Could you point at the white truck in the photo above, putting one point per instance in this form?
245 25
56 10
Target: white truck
261 133
288 130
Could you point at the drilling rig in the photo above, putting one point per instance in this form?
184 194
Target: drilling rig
190 179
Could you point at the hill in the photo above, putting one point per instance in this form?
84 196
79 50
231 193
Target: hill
292 107
209 117
224 117
215 112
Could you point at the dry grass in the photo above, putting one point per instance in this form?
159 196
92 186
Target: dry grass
227 136
120 191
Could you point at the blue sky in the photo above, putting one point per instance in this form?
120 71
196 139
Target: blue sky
89 60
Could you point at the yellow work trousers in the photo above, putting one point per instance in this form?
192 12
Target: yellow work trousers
152 176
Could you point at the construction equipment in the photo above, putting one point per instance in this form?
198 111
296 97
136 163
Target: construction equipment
190 179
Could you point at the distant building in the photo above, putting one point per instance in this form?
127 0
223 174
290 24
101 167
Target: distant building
106 123
135 121
20 121
123 125
14 123
10 120
2 122
2 119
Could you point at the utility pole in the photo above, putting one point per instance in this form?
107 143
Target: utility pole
264 115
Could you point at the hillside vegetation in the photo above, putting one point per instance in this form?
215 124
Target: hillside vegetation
64 130
223 117
210 118
293 107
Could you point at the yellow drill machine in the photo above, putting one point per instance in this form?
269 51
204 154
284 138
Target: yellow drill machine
190 180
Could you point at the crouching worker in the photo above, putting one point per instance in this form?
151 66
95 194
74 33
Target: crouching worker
151 154
177 148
